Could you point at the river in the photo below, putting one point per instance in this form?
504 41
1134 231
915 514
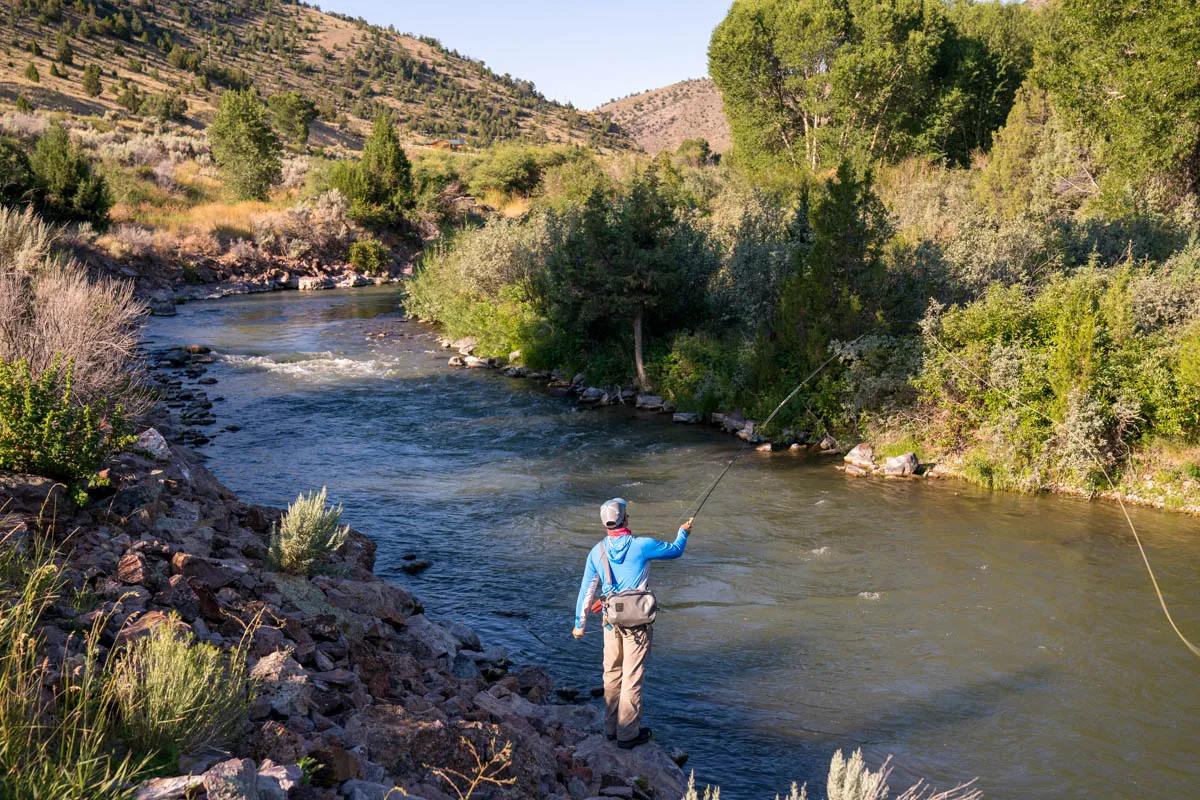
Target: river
966 633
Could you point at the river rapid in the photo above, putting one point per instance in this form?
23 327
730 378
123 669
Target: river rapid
964 632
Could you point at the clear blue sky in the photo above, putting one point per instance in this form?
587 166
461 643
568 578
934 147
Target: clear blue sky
581 51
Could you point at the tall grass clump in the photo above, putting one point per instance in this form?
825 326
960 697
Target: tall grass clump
851 779
176 695
307 534
60 745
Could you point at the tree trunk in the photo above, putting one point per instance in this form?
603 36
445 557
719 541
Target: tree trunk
637 351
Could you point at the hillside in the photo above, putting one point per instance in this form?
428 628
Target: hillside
347 68
660 119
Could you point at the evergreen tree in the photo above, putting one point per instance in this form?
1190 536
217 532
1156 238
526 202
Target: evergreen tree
292 113
67 187
32 74
91 81
243 144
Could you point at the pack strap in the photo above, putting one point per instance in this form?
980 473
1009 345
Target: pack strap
612 579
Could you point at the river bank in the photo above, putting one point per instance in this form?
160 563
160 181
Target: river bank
359 689
1154 486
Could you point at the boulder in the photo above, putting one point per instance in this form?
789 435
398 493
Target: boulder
592 395
20 493
152 443
435 638
862 455
475 362
134 629
284 684
277 742
401 741
465 346
366 790
455 361
901 465
467 638
235 779
210 573
648 762
686 418
276 782
311 283
176 788
375 598
132 569
650 402
827 444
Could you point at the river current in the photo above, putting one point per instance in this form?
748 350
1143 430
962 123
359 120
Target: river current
963 632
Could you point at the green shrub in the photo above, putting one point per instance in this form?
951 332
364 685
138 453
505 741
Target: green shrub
45 430
243 144
176 696
379 185
32 74
68 190
370 257
307 534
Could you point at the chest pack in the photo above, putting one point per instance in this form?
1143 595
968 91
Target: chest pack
631 608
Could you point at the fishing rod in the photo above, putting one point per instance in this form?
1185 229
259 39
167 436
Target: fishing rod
745 447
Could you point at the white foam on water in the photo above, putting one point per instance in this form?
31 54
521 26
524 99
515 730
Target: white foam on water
868 595
317 367
820 551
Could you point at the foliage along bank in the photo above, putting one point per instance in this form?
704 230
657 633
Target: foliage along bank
1027 315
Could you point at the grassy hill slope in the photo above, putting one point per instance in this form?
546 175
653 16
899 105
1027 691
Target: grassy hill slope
660 119
347 67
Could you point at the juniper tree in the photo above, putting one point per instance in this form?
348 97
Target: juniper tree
243 144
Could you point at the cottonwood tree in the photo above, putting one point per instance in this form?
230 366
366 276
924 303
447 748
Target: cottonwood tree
243 144
806 81
1126 73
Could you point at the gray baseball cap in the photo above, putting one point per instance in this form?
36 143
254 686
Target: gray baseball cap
612 513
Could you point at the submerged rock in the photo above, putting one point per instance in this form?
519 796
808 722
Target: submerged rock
686 417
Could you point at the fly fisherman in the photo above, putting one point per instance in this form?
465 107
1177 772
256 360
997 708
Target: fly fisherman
619 566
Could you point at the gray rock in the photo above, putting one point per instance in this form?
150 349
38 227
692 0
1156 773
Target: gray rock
475 362
862 455
463 667
827 443
686 418
176 788
365 790
649 761
592 395
901 465
235 779
438 640
467 638
283 683
274 782
152 443
650 402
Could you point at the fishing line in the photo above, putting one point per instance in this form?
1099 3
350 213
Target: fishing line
1162 602
745 447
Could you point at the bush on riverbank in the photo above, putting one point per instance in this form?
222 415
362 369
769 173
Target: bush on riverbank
307 534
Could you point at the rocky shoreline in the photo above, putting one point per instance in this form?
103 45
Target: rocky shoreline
858 460
359 689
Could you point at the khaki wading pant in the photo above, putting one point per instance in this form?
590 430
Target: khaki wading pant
625 654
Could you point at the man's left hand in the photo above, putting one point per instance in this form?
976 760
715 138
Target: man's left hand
577 633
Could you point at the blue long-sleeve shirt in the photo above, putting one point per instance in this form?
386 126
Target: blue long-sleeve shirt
629 558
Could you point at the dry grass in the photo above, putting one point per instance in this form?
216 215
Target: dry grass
51 310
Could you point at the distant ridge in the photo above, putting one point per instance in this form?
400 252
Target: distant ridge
659 119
